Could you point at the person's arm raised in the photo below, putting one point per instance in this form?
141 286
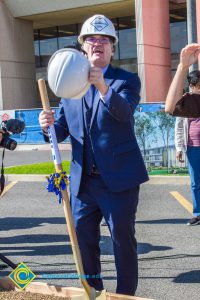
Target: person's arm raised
188 56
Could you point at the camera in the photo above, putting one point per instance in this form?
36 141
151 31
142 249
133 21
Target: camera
12 126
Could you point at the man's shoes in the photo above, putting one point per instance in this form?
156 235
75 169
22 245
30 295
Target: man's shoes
194 221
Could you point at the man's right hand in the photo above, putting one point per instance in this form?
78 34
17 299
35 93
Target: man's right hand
179 156
46 119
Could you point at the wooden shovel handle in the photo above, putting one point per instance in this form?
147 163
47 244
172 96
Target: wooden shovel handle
67 210
44 95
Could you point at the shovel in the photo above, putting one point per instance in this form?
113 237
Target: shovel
90 292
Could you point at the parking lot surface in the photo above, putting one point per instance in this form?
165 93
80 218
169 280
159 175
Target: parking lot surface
33 231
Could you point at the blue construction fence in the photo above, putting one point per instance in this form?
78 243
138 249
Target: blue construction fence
32 133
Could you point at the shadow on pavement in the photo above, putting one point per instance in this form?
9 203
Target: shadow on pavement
164 221
25 223
144 248
34 238
188 277
49 249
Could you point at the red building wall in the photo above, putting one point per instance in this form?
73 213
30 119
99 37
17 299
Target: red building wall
153 39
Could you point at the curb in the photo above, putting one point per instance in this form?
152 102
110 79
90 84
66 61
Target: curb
42 147
25 177
173 180
156 179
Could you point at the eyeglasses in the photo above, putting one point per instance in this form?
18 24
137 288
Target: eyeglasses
102 40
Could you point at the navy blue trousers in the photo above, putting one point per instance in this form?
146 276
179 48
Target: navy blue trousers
93 202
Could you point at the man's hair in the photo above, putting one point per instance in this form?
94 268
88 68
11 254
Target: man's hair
194 77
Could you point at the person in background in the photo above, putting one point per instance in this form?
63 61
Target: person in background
107 166
187 139
177 104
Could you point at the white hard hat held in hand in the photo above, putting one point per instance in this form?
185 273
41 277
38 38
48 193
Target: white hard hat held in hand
67 73
98 24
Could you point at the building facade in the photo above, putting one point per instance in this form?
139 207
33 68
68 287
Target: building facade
151 34
156 157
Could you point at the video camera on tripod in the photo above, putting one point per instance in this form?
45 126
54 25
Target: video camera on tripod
12 126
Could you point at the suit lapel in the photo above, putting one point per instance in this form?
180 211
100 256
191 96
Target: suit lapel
80 116
95 105
108 76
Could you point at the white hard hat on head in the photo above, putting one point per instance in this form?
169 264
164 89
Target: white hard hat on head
98 24
67 73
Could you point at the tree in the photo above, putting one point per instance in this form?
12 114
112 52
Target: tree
144 129
165 124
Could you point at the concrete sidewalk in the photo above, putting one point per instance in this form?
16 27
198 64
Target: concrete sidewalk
28 154
162 180
43 147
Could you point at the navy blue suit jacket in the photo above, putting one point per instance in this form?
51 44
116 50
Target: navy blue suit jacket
116 151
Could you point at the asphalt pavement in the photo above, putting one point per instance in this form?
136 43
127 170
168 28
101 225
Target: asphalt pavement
30 154
33 230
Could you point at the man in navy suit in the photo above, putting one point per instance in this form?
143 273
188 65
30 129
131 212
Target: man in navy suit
106 167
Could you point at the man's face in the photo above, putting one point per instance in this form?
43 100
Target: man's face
99 49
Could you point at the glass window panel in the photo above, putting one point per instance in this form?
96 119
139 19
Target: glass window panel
67 35
178 33
37 48
67 41
48 44
127 64
36 34
127 38
79 26
37 54
178 14
116 54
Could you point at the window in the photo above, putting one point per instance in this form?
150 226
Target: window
48 44
48 40
67 35
178 26
116 54
127 38
178 33
37 48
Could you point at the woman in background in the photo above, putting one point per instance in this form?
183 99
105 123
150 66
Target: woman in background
177 104
187 139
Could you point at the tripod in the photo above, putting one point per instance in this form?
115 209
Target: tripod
7 261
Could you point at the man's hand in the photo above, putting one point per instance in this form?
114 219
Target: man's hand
96 78
179 156
46 119
189 55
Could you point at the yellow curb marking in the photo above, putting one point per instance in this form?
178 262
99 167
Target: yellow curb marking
8 187
184 202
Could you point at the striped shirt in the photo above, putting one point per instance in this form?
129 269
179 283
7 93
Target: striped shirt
194 132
